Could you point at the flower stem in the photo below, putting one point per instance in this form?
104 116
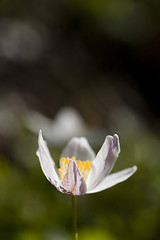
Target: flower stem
74 212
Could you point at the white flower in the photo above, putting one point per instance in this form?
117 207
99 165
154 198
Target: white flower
80 170
66 124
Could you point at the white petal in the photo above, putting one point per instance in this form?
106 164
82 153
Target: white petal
47 163
113 179
79 148
73 183
104 161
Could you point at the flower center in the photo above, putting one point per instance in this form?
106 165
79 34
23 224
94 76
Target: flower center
83 166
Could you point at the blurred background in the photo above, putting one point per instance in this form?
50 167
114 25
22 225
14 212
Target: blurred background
79 68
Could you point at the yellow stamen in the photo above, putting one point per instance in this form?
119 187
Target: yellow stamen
83 166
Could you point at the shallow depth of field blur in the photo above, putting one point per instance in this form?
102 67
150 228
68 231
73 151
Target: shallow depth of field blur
79 68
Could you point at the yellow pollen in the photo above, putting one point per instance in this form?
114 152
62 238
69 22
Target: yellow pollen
83 166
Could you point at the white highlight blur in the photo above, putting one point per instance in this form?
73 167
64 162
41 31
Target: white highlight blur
21 40
66 124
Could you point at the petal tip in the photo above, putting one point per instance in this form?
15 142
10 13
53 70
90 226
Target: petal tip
40 133
134 168
37 153
116 144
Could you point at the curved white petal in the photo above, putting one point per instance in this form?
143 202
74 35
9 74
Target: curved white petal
47 164
104 161
73 183
113 179
79 148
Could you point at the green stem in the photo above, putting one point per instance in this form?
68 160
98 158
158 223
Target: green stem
74 209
